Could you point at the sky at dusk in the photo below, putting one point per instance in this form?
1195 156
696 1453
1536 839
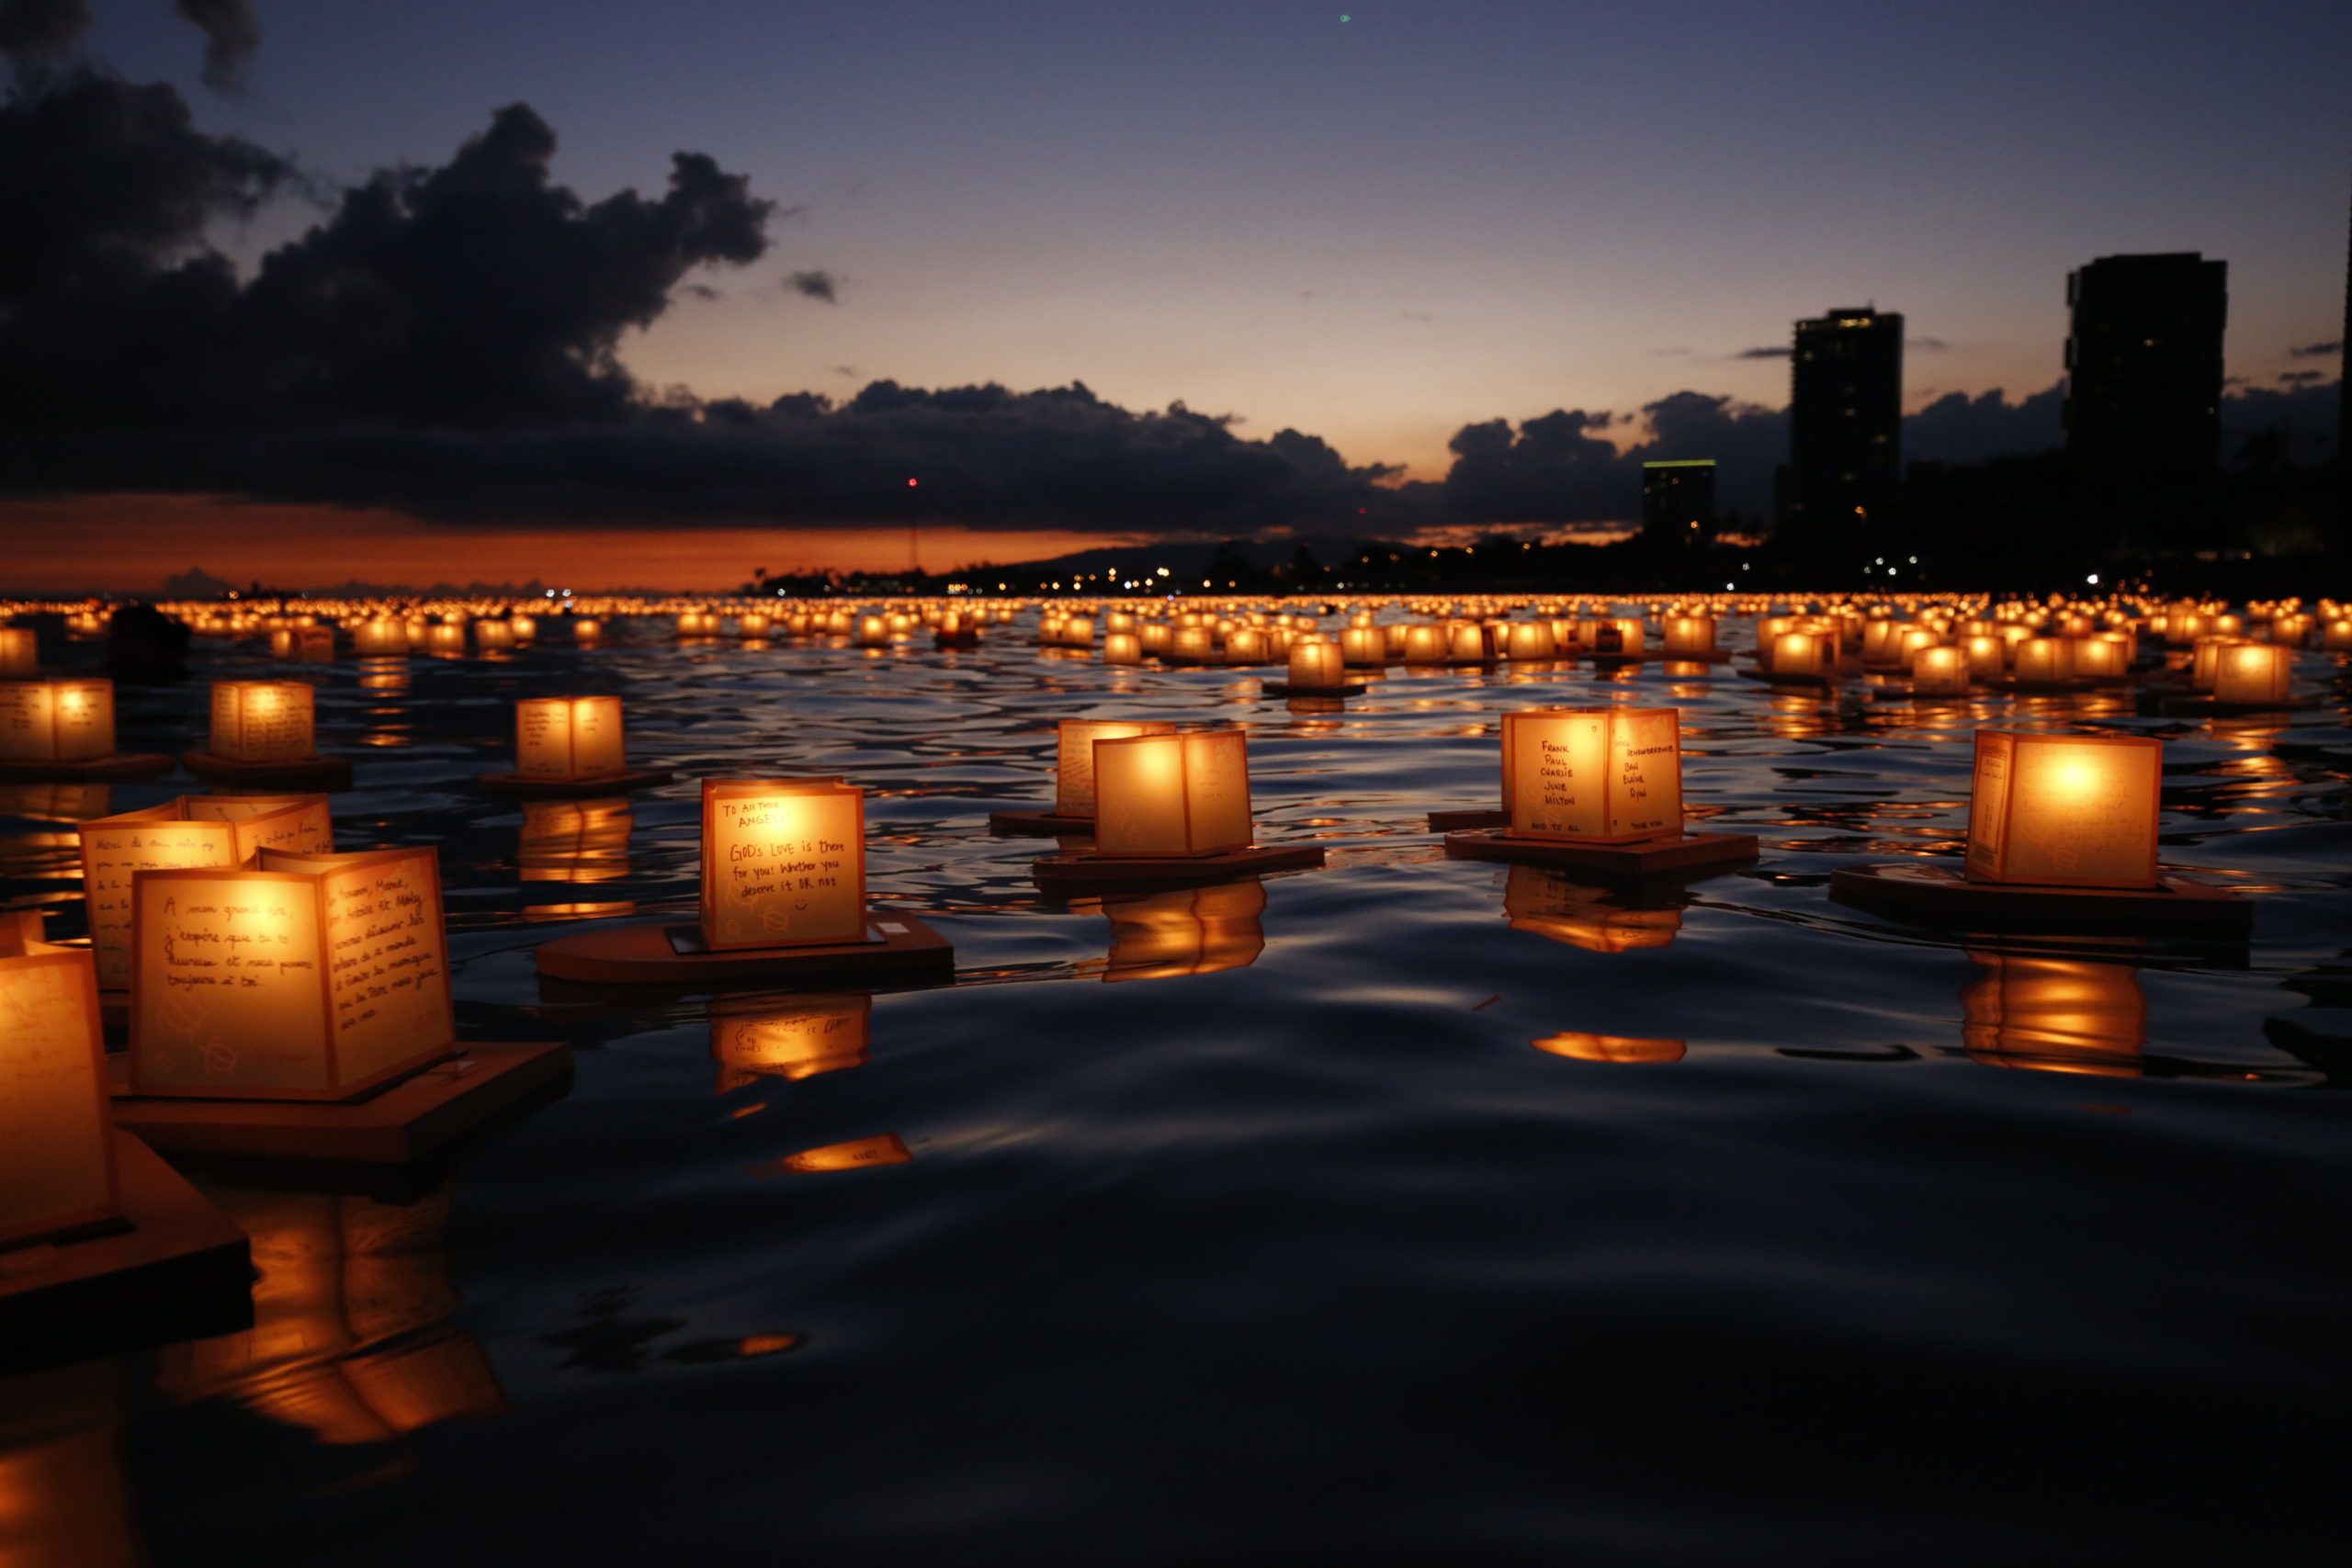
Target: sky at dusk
1373 226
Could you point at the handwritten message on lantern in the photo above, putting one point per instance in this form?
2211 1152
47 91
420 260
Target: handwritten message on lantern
56 721
2064 811
1593 774
312 976
1186 793
568 738
194 830
783 863
1074 758
56 1154
263 721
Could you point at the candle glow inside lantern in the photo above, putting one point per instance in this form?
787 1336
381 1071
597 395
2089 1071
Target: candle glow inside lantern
568 738
587 628
448 637
2064 811
1592 776
493 635
1315 665
783 863
1121 648
1803 653
1074 757
381 638
1183 793
2252 672
308 977
19 651
56 721
2045 660
263 721
57 1170
1938 670
197 830
1689 636
1363 647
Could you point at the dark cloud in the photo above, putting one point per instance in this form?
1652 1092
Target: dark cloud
41 29
1926 345
2315 350
1957 428
1766 352
2296 422
232 33
2300 377
852 371
814 284
702 291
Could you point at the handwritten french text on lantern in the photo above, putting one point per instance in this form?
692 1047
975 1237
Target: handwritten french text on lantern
568 738
56 721
263 721
56 1158
194 831
1592 773
784 863
1074 758
2064 811
1186 793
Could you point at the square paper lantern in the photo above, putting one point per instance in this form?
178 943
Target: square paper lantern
309 977
1804 653
493 635
587 628
1121 648
263 721
568 738
783 863
56 721
2064 811
1185 793
19 651
1074 758
1593 775
214 830
56 1149
2045 660
310 645
1364 647
381 638
1689 636
1317 665
1938 671
2252 672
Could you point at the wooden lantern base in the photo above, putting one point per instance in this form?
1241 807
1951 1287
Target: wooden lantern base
173 1248
1458 821
1807 682
1284 689
643 953
289 772
1679 856
119 768
1038 824
2199 705
1101 871
407 1121
1938 896
521 789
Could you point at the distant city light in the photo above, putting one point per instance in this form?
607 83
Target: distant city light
2092 579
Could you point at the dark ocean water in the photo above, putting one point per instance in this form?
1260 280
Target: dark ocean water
1295 1223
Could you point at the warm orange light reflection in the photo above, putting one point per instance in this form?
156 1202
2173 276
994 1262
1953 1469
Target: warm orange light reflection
858 1154
1550 905
1621 1049
1189 931
788 1038
2054 1014
575 841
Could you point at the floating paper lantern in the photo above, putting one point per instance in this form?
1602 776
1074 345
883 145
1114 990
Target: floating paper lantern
56 721
697 623
1804 653
1363 647
2336 636
1988 657
381 638
1531 640
1468 643
1185 793
525 627
1593 775
307 644
1193 645
19 651
1689 636
783 863
2058 1014
449 638
587 628
197 830
755 625
263 721
1121 648
1247 645
2252 672
493 636
873 631
1159 638
1315 665
2102 657
1621 1050
311 978
1187 931
797 1038
2064 811
56 1149
1074 757
1424 644
2045 661
568 738
1938 671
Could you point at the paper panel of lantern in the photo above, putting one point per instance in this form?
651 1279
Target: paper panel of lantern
783 863
1074 757
2252 672
1316 664
308 977
56 721
568 738
1594 775
19 651
196 830
2064 811
56 1135
263 721
1185 793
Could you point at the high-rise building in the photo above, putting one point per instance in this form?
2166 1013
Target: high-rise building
1845 421
2144 362
1679 501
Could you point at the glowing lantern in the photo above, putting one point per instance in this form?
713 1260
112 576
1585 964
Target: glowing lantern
2066 810
314 977
1189 931
1467 643
1531 640
1247 645
789 1040
1074 758
568 738
1938 671
381 638
1620 1050
263 721
873 631
2057 1014
1157 637
1689 636
1121 648
308 643
697 623
1079 631
1315 665
2252 672
2045 661
493 635
525 627
1987 658
1193 645
783 863
753 624
1803 653
197 830
1362 647
2103 657
1598 775
56 1150
56 721
449 638
1424 644
19 651
2337 635
587 629
1184 794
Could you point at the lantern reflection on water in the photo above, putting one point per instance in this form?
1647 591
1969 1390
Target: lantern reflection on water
2054 1014
1597 920
1593 775
1185 793
1189 930
2064 811
1618 1049
788 1038
783 863
57 1174
575 841
56 721
1074 757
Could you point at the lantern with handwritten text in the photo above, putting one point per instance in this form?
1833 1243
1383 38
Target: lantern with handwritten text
56 721
1315 665
2252 672
568 738
2064 811
1592 776
309 977
783 863
196 830
19 651
263 721
1941 670
1074 757
1185 793
56 1154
